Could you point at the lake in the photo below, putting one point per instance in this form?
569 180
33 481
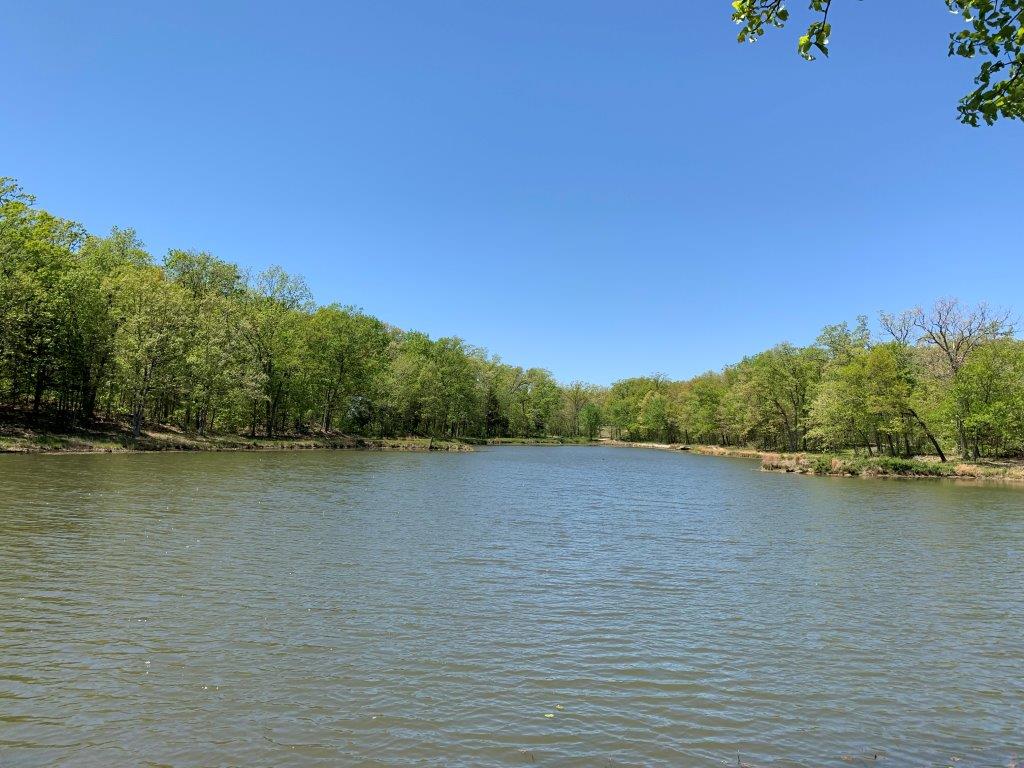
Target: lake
562 606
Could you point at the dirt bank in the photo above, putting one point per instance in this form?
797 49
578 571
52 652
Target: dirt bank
115 438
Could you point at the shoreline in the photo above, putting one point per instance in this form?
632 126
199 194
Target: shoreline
116 439
27 441
841 465
697 448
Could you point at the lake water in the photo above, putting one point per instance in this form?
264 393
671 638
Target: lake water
335 608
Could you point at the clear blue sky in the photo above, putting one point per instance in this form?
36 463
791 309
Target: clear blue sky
600 188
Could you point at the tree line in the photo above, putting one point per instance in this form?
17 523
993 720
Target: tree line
947 379
94 329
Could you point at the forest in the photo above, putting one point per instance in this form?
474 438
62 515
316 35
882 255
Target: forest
94 329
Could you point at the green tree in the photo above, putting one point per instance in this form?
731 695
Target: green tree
150 335
272 311
345 359
576 399
656 418
703 409
38 259
778 386
591 419
953 332
434 387
212 381
988 395
102 261
898 393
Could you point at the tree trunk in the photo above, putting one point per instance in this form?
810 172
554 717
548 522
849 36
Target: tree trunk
961 438
931 437
108 411
140 403
37 397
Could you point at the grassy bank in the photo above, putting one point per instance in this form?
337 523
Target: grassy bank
889 466
117 438
848 465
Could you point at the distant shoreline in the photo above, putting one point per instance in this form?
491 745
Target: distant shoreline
117 439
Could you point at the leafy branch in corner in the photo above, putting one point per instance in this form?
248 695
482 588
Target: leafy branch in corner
994 33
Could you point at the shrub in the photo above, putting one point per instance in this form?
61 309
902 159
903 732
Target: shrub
895 466
823 465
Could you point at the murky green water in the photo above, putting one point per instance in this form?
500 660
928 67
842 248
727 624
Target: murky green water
319 608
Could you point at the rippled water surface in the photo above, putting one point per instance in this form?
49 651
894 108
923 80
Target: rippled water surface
515 606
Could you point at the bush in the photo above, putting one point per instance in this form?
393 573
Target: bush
894 466
823 465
